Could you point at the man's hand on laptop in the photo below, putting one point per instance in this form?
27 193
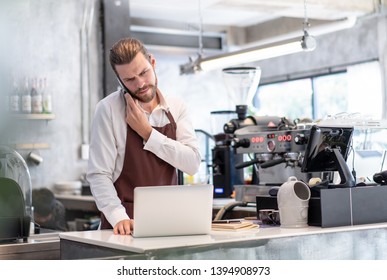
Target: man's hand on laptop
123 227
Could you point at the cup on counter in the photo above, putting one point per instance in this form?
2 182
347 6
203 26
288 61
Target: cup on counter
293 203
269 216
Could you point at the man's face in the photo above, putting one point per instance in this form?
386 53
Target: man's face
139 77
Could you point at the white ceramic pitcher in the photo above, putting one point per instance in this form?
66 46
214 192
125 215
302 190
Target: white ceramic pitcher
293 203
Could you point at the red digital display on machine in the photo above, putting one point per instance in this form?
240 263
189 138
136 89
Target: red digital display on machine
271 137
285 138
257 139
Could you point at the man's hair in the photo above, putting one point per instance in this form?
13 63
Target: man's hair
124 51
43 201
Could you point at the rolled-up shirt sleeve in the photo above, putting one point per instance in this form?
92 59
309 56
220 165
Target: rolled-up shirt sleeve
102 164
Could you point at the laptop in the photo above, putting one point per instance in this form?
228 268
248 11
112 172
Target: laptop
172 210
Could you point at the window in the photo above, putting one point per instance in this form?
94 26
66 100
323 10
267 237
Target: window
292 99
320 96
330 95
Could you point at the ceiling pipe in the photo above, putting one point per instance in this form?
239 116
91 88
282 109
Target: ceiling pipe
316 30
346 23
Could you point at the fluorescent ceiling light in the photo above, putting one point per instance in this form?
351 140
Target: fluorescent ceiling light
307 43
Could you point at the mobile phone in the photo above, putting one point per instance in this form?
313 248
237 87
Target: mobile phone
124 88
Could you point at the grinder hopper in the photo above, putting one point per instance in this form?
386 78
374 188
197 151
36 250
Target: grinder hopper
242 83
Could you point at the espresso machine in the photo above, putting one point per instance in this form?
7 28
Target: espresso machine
242 83
276 153
254 153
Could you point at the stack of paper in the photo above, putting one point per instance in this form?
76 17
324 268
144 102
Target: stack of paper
233 226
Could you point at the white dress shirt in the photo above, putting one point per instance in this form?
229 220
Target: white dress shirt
108 141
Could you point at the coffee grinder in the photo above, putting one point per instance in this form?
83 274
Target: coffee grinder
242 83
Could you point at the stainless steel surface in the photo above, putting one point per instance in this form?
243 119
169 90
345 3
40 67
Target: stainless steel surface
38 247
248 193
345 244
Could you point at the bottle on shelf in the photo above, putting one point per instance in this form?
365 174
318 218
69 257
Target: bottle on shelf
46 95
14 98
26 98
36 98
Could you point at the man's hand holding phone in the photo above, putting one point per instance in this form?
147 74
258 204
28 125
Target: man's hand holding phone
136 119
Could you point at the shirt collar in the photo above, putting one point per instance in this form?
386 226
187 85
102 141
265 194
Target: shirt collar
163 104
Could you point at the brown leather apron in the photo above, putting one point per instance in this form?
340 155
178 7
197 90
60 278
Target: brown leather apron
142 168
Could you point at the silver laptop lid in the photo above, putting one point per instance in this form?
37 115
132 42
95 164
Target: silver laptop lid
172 210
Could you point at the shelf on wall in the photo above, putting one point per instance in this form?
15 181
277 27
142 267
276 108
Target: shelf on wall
31 146
34 116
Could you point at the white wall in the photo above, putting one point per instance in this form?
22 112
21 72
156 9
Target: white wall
43 39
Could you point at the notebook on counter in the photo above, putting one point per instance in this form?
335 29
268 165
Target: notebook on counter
172 210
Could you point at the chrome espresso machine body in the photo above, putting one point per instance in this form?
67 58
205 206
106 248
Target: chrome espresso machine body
268 147
268 151
275 153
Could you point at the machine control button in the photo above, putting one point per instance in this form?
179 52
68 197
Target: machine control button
230 127
271 146
300 139
245 143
